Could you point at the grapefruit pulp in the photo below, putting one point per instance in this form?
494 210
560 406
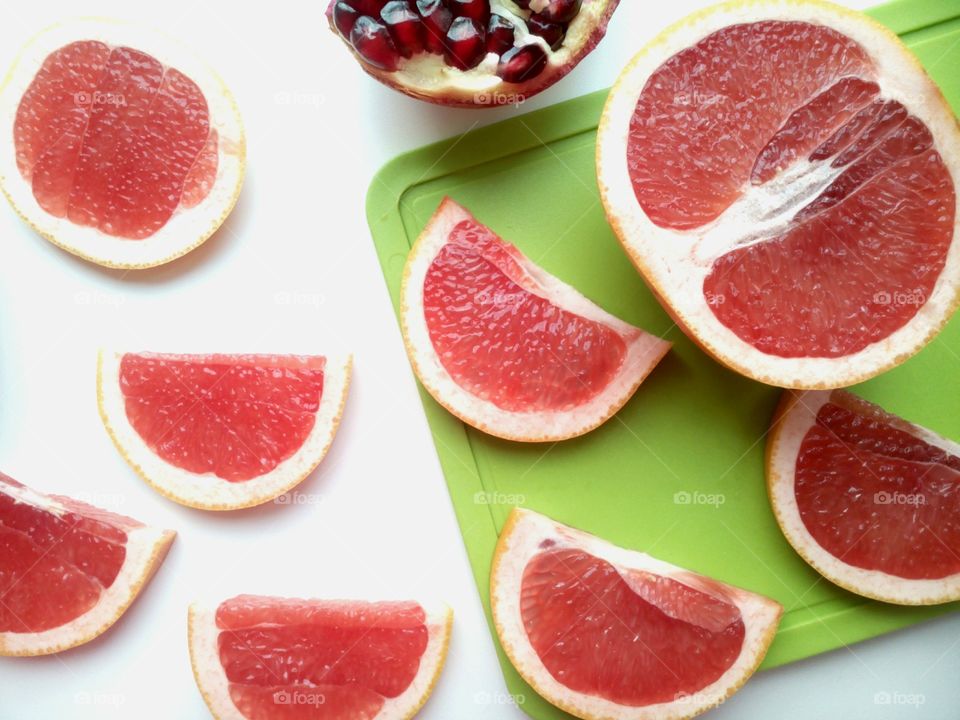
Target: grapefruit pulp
68 570
784 176
222 432
265 657
126 150
868 499
505 346
605 632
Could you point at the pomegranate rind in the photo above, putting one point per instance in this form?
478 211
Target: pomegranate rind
145 550
189 227
202 632
667 259
644 350
206 491
795 416
520 541
427 77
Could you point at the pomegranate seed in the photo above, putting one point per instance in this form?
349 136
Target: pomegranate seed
344 17
436 20
522 63
500 34
372 41
561 11
465 46
478 10
368 7
404 26
553 33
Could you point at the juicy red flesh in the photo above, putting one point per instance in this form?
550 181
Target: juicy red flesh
405 27
877 496
500 35
462 45
235 416
368 7
478 10
504 343
522 63
108 137
686 172
841 269
345 658
54 566
373 43
809 125
552 33
345 16
628 636
436 21
465 44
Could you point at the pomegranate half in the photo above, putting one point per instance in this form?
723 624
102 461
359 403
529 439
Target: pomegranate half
470 53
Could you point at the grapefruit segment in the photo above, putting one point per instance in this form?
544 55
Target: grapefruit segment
605 632
784 176
867 498
264 657
68 570
126 150
218 431
507 347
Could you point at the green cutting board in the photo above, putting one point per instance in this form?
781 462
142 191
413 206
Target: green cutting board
694 430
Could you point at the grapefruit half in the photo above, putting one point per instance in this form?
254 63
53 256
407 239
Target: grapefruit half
605 632
508 348
222 432
265 657
783 173
126 150
869 500
68 570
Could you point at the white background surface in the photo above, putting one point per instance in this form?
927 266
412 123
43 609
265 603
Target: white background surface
294 269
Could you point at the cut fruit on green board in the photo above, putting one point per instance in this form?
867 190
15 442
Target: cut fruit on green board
785 177
867 498
508 348
685 486
605 632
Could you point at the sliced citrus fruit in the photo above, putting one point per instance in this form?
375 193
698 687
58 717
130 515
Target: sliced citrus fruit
265 657
222 432
507 347
605 632
126 150
868 499
68 570
783 174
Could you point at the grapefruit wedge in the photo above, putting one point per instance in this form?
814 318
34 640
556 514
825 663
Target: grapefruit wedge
871 501
508 348
68 570
126 150
222 432
605 632
256 657
784 175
